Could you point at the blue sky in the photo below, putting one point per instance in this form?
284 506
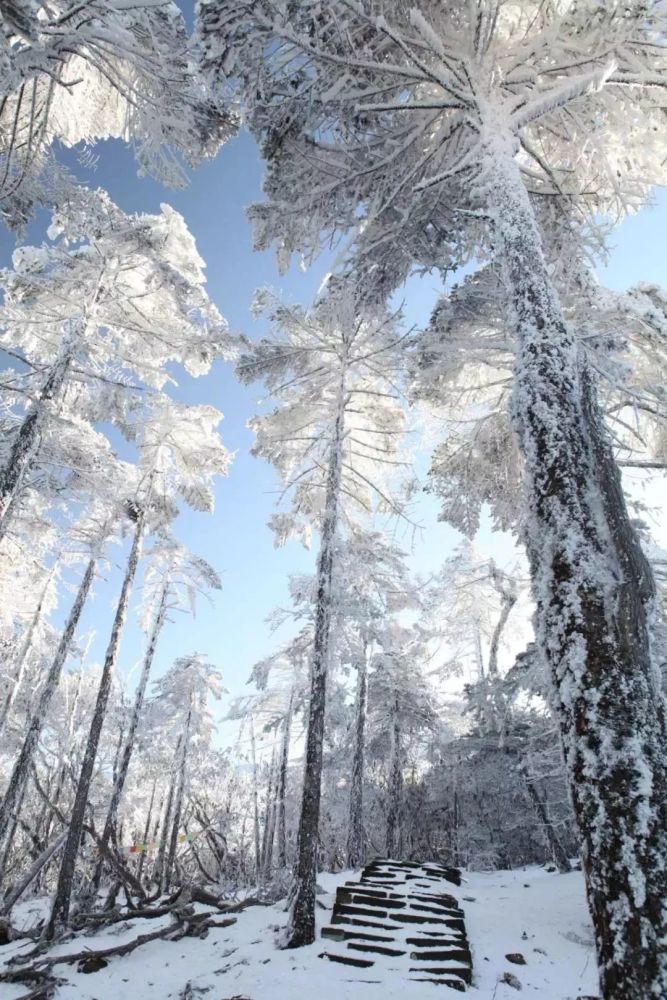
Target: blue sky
236 540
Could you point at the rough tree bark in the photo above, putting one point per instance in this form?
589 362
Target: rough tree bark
35 869
164 827
593 590
301 925
255 804
269 832
61 904
28 439
128 747
356 841
147 831
282 786
540 806
21 770
393 831
26 444
22 658
497 720
178 803
508 601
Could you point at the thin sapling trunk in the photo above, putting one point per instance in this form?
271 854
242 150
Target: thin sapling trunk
356 841
21 769
61 904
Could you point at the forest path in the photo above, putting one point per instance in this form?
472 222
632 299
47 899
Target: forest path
398 917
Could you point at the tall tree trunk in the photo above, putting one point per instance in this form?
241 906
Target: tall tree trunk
508 601
72 744
481 674
147 832
27 440
11 827
34 871
178 804
356 842
128 747
301 925
61 903
160 861
270 818
21 770
255 804
393 834
498 708
456 857
539 804
282 786
22 658
594 592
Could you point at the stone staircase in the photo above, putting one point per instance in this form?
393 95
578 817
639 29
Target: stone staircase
397 919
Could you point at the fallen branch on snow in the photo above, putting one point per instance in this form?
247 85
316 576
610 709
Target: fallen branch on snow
186 924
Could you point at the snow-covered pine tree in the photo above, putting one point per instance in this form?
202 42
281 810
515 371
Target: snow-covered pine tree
463 369
179 454
85 546
430 130
333 437
172 580
371 583
138 512
82 72
182 695
97 316
401 706
40 582
282 682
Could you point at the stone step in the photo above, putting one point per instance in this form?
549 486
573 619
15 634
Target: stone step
442 911
390 880
348 898
377 883
376 949
360 888
461 973
340 933
436 942
452 875
339 918
454 984
441 899
416 918
437 934
443 955
359 963
391 877
398 866
361 911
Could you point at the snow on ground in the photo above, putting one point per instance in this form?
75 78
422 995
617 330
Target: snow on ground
542 916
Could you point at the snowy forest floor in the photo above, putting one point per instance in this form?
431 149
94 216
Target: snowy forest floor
540 915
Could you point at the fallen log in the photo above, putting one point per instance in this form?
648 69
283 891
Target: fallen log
174 903
39 973
15 894
42 992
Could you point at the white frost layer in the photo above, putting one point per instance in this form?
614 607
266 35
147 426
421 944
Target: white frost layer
549 909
